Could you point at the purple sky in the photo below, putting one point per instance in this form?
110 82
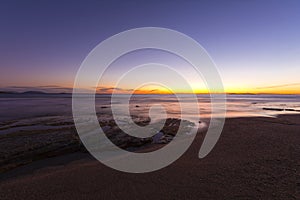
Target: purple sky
255 44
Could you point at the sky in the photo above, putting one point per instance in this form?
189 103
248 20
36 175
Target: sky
254 44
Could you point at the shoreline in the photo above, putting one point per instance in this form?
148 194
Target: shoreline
255 158
285 119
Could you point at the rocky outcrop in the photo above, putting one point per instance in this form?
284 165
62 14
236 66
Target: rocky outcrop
25 145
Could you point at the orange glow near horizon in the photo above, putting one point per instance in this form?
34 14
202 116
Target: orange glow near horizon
154 89
161 90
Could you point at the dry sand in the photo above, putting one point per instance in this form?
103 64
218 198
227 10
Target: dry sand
255 158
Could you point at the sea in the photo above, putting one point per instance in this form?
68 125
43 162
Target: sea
41 111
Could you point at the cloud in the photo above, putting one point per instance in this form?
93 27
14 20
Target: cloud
279 86
110 90
59 89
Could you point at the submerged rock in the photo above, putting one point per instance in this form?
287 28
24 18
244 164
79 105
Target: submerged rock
282 109
24 146
163 136
274 109
157 137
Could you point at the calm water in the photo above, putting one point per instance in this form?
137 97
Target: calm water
32 109
28 106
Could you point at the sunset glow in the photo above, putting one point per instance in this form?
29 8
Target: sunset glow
253 53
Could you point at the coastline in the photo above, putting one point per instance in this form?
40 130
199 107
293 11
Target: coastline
255 158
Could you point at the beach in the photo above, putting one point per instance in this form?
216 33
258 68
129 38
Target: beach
255 158
156 100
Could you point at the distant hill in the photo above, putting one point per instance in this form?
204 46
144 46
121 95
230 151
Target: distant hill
33 92
7 92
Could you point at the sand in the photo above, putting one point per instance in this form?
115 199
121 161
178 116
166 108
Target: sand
255 158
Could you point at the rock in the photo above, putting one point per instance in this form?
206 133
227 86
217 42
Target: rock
157 137
106 128
163 141
291 109
274 109
168 138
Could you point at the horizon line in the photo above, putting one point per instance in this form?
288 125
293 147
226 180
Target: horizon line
181 93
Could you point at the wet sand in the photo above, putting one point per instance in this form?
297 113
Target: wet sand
255 158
